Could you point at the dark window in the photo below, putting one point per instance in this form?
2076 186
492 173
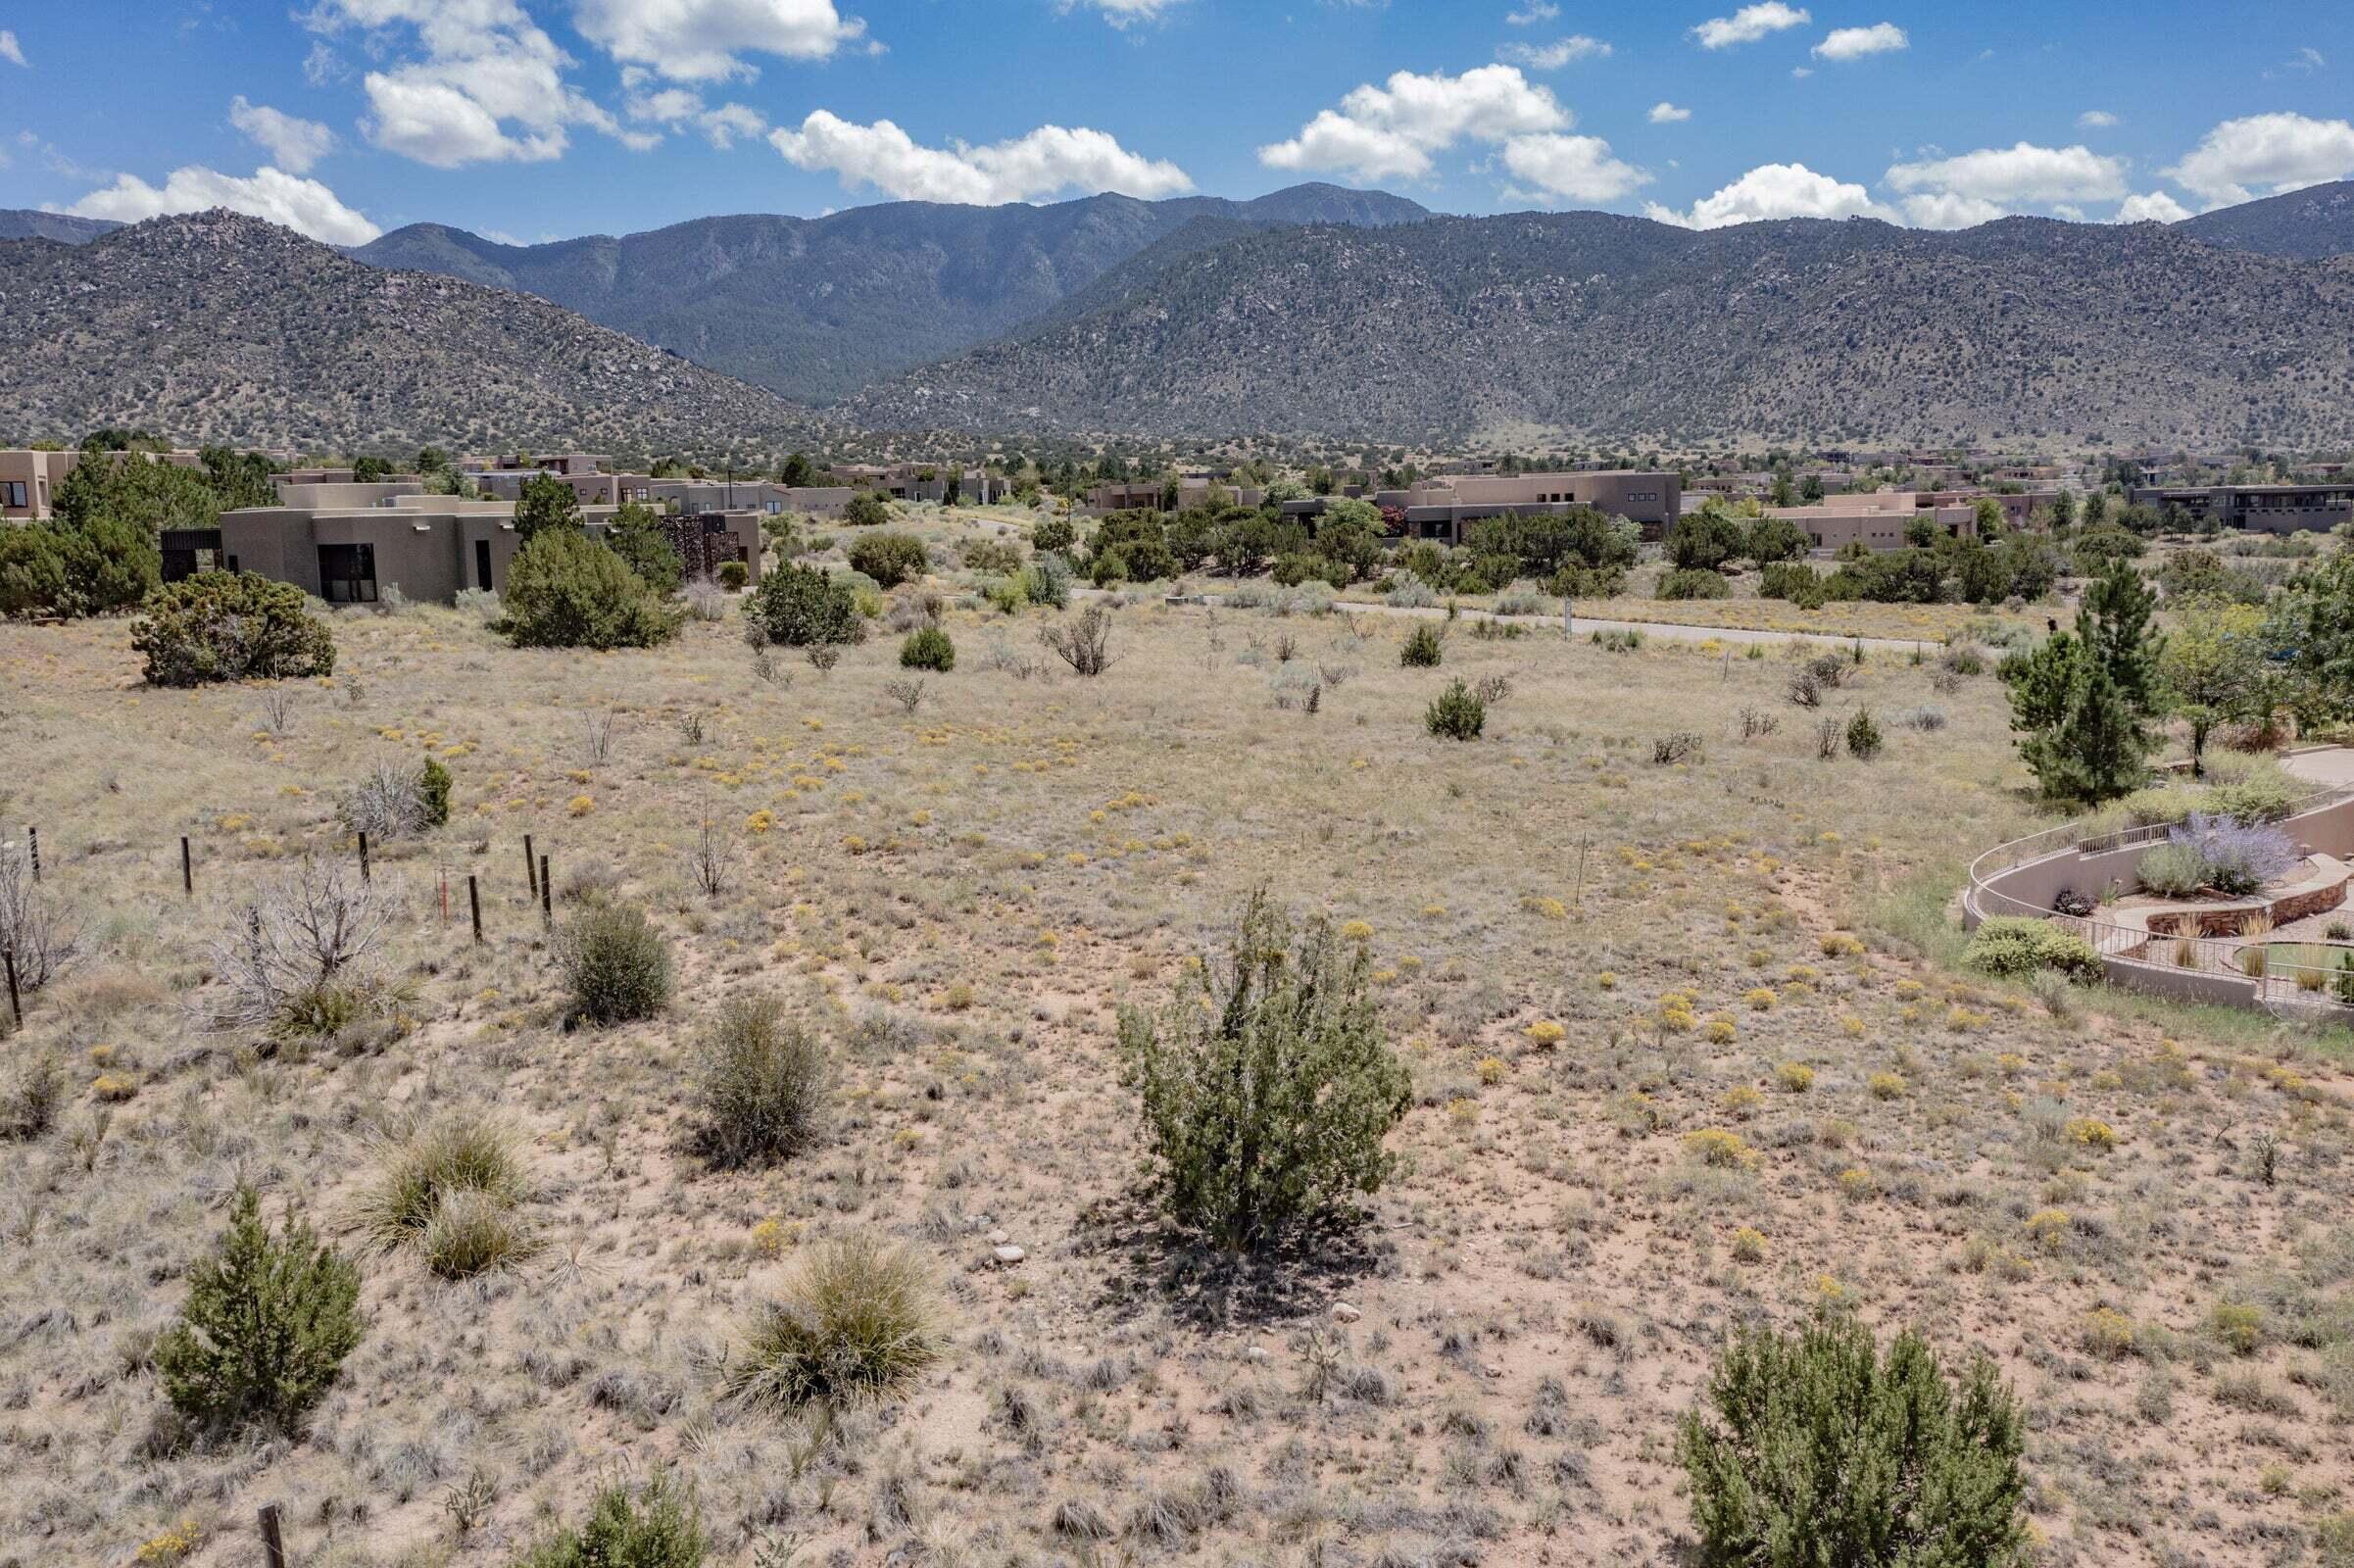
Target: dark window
12 493
347 573
482 564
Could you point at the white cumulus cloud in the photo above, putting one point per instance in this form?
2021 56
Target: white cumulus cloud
1554 56
487 86
1533 13
675 108
2096 120
1773 191
2021 174
1750 23
1125 13
1048 161
1945 209
1393 130
10 50
2154 207
704 40
1571 167
1664 112
303 205
1854 43
293 144
2265 154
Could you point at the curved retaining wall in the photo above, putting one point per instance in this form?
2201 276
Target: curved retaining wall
2030 887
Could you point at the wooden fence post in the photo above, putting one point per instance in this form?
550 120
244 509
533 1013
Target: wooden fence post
547 895
273 1548
530 866
473 898
32 838
16 1007
187 867
363 857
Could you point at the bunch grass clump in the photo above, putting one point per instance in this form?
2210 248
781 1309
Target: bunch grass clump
654 1527
855 1323
451 1190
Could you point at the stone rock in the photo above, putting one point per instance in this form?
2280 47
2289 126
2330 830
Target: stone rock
1342 1312
1009 1255
998 1238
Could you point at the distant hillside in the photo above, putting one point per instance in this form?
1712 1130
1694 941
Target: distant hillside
218 327
816 309
1614 328
23 223
2312 222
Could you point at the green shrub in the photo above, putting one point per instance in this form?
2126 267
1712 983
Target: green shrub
2172 871
890 559
269 1320
866 509
657 1528
60 569
734 575
1048 581
1694 582
566 590
803 607
433 792
993 557
1813 1448
852 1326
928 647
2263 794
642 539
219 626
1458 713
615 964
760 1085
1007 595
2014 947
1863 736
1271 1102
1424 648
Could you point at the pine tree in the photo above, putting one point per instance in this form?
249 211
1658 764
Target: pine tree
269 1321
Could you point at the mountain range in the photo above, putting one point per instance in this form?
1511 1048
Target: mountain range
2312 223
215 328
1621 329
815 309
1315 311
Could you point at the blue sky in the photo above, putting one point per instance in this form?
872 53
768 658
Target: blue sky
540 118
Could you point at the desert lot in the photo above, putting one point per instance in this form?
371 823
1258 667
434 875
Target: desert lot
1488 1367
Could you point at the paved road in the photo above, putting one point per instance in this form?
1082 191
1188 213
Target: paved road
2329 766
1585 626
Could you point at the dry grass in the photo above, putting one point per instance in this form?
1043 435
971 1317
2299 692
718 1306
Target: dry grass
953 902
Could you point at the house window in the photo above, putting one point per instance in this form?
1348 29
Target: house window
347 573
12 493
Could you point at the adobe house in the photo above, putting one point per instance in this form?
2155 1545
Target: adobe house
1878 520
1443 508
2258 508
347 548
29 482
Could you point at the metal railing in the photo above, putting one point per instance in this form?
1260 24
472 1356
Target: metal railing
2247 957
